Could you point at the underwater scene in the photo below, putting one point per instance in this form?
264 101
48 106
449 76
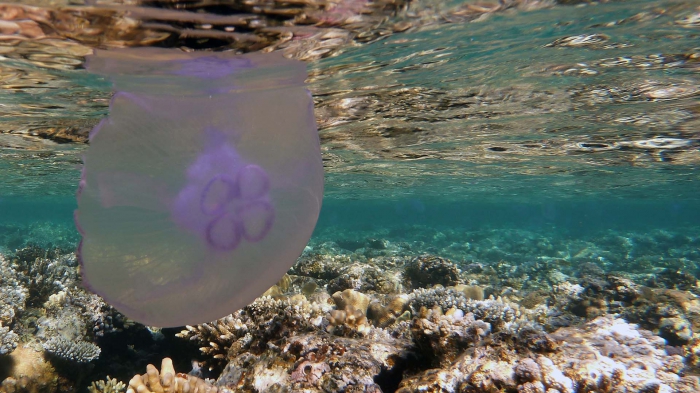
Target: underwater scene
472 196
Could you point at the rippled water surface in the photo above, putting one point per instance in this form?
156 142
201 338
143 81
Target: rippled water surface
569 100
565 101
544 152
587 100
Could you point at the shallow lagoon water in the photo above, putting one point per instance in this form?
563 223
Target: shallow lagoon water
561 136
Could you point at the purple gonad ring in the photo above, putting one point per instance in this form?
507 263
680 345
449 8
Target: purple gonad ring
225 201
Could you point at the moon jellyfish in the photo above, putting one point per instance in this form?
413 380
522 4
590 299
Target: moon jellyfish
201 187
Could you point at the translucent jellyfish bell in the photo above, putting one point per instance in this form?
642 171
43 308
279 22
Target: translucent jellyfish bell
203 185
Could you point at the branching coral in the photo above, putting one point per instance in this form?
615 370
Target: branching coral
69 323
109 385
44 276
496 312
77 351
216 337
264 320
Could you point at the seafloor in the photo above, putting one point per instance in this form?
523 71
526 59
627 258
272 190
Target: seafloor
409 309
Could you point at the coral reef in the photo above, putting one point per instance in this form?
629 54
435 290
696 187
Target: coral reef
48 323
30 372
13 294
46 276
317 362
167 381
604 355
518 316
367 278
255 325
76 351
109 385
350 319
486 326
444 337
392 309
71 317
351 298
8 340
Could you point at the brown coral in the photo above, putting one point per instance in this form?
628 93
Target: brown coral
384 316
30 372
350 319
428 270
167 381
474 292
349 297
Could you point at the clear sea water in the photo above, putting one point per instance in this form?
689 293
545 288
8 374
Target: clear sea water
497 123
541 133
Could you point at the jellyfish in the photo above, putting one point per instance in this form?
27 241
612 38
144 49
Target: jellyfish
201 187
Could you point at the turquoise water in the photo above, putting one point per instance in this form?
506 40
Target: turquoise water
502 122
527 141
